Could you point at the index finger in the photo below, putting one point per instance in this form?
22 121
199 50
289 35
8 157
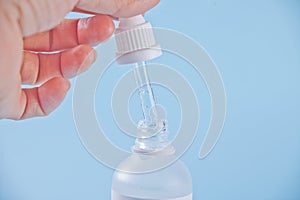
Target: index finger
71 33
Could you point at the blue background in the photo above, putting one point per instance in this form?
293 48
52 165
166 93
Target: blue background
256 46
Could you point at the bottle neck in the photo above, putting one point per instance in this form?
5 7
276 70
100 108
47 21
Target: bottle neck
152 137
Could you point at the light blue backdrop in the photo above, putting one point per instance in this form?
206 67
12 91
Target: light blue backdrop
256 46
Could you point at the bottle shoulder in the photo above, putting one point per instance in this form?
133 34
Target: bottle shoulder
168 182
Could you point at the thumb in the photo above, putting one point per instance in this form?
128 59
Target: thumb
35 16
117 8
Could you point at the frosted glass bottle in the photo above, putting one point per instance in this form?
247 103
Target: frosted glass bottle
173 182
136 44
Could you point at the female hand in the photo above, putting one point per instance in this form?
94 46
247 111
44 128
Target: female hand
39 47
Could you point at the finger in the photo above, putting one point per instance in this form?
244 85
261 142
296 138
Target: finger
117 8
38 68
43 100
77 10
71 33
31 17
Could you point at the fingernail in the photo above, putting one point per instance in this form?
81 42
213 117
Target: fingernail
77 60
67 85
92 56
88 61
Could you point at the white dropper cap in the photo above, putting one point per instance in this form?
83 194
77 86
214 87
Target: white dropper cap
135 41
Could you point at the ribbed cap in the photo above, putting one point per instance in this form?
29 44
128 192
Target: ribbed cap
135 40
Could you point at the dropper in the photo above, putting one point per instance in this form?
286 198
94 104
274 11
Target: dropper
136 44
145 90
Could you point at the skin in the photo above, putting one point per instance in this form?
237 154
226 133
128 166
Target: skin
30 29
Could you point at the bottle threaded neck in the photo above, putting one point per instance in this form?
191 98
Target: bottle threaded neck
151 137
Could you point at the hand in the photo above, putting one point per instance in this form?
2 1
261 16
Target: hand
30 29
